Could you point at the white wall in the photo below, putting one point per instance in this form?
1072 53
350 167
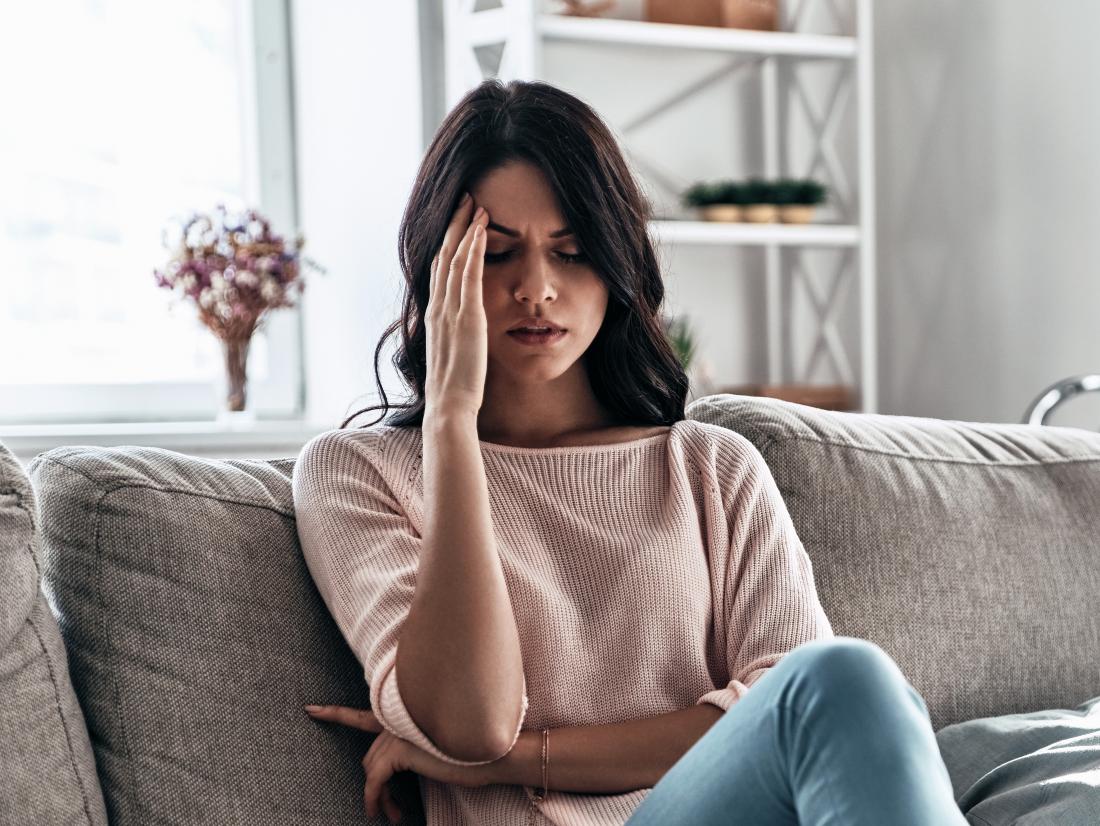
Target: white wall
987 132
359 142
984 131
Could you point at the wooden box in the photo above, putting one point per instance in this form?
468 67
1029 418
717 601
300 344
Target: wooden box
825 396
736 14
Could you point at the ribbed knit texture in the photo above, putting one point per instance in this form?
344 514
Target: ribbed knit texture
645 577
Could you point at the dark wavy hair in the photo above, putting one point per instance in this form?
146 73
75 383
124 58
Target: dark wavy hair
632 366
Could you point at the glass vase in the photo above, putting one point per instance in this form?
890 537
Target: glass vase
234 410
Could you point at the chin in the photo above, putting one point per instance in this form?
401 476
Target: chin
539 369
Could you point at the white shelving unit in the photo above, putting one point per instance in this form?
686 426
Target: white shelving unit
518 29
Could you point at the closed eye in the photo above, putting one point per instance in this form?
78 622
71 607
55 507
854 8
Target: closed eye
568 258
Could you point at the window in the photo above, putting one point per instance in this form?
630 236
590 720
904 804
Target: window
121 116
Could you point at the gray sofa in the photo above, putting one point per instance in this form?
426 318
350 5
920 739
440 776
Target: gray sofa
160 631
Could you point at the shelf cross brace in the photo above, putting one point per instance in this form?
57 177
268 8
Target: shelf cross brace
827 339
729 69
823 126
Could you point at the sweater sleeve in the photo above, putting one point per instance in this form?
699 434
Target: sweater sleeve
363 552
770 602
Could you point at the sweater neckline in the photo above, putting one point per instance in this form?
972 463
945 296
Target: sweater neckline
614 447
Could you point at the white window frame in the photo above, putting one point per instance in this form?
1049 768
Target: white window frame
270 185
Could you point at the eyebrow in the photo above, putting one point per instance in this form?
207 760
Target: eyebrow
558 233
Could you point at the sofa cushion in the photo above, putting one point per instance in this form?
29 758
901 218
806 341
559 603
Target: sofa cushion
967 551
196 636
49 772
1036 767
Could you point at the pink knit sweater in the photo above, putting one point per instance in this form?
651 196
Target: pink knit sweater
645 577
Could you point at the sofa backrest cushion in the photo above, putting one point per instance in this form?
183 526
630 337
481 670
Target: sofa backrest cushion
49 771
196 636
969 552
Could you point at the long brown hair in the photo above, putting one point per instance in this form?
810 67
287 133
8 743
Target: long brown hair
632 366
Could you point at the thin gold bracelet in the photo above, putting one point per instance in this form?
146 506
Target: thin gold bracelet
537 797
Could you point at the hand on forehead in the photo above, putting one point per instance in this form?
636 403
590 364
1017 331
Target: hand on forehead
520 203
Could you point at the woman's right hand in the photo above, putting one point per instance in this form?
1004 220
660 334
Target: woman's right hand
457 329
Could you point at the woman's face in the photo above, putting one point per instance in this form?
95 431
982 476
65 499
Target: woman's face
533 267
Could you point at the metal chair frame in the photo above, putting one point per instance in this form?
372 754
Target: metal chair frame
1058 393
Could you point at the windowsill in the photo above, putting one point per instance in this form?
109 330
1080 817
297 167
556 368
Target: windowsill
259 439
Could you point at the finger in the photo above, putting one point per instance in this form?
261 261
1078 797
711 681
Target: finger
360 718
432 278
372 791
452 235
452 295
474 271
460 219
462 256
389 805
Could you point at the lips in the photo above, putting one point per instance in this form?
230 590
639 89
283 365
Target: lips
536 323
537 338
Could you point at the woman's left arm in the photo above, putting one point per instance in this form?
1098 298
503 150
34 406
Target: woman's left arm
606 759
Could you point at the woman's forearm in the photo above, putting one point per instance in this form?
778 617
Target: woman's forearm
607 759
459 665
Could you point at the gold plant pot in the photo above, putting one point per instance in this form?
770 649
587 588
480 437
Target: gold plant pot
761 213
796 213
721 212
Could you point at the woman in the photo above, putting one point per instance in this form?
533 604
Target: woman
604 612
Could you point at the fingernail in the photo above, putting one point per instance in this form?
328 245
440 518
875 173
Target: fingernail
465 198
313 708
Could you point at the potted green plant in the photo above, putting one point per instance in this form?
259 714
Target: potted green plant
785 191
682 337
760 206
797 198
716 200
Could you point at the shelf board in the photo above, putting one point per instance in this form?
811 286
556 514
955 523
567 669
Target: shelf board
719 232
679 36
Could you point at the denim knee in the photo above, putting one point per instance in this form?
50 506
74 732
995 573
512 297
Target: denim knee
851 671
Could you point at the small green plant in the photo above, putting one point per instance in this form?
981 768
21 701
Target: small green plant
809 192
760 191
699 192
737 193
682 338
702 193
705 193
798 191
786 191
754 191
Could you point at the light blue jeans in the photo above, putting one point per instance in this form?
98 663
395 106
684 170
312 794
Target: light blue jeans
832 735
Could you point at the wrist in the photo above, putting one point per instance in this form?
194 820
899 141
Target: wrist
522 765
442 417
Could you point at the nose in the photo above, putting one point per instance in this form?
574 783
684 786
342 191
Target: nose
535 283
